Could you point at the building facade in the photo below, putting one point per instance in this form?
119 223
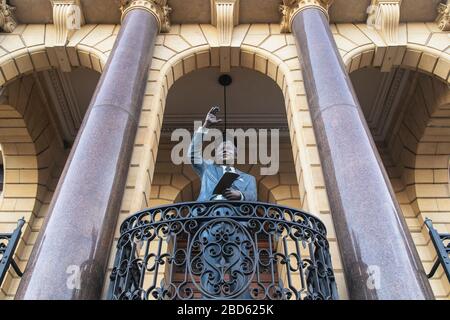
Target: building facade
92 91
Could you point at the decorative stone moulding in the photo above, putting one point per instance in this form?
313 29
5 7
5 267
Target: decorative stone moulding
158 8
384 16
290 8
7 20
67 18
443 18
225 15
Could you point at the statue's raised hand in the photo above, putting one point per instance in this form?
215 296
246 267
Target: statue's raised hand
211 118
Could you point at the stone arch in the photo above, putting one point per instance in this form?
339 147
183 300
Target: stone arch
24 62
414 57
250 58
33 47
289 81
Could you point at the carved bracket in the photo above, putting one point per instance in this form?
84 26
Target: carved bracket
290 8
7 20
225 15
443 18
67 17
158 8
384 16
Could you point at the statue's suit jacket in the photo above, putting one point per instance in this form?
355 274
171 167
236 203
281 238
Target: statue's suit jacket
210 173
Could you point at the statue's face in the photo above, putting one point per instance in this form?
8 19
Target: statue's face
226 153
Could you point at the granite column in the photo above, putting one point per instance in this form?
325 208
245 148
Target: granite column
378 254
70 257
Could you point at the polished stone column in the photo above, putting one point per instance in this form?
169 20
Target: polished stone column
70 257
378 254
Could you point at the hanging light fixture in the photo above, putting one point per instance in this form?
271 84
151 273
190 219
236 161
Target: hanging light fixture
225 80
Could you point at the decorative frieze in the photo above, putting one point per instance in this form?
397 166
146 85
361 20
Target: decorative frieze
290 8
384 16
159 8
7 20
443 18
224 15
67 18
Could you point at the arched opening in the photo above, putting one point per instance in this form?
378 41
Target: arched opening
408 113
254 102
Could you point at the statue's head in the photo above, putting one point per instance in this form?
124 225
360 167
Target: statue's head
226 152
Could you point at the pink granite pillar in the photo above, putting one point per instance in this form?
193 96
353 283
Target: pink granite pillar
379 257
70 257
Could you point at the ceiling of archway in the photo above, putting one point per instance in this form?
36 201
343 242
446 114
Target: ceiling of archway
253 100
383 97
67 96
199 11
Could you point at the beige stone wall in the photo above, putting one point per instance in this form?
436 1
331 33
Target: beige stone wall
189 47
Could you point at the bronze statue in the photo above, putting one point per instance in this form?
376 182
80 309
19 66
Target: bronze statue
243 188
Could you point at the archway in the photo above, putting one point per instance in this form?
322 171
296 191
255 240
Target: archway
254 102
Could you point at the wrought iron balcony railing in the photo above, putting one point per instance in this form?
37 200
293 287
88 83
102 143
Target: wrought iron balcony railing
441 242
222 250
8 244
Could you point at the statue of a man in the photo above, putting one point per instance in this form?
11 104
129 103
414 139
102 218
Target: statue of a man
224 260
210 172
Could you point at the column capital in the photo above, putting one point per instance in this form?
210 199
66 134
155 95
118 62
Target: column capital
443 18
158 8
8 20
290 8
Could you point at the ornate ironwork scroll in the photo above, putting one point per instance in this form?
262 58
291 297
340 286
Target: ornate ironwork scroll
222 250
441 242
8 244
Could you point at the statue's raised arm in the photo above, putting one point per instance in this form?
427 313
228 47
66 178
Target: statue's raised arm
210 173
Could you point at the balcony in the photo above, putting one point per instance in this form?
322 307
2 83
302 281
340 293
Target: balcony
222 250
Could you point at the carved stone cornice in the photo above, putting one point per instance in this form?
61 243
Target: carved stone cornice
443 18
290 8
384 16
224 15
8 21
67 18
158 8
